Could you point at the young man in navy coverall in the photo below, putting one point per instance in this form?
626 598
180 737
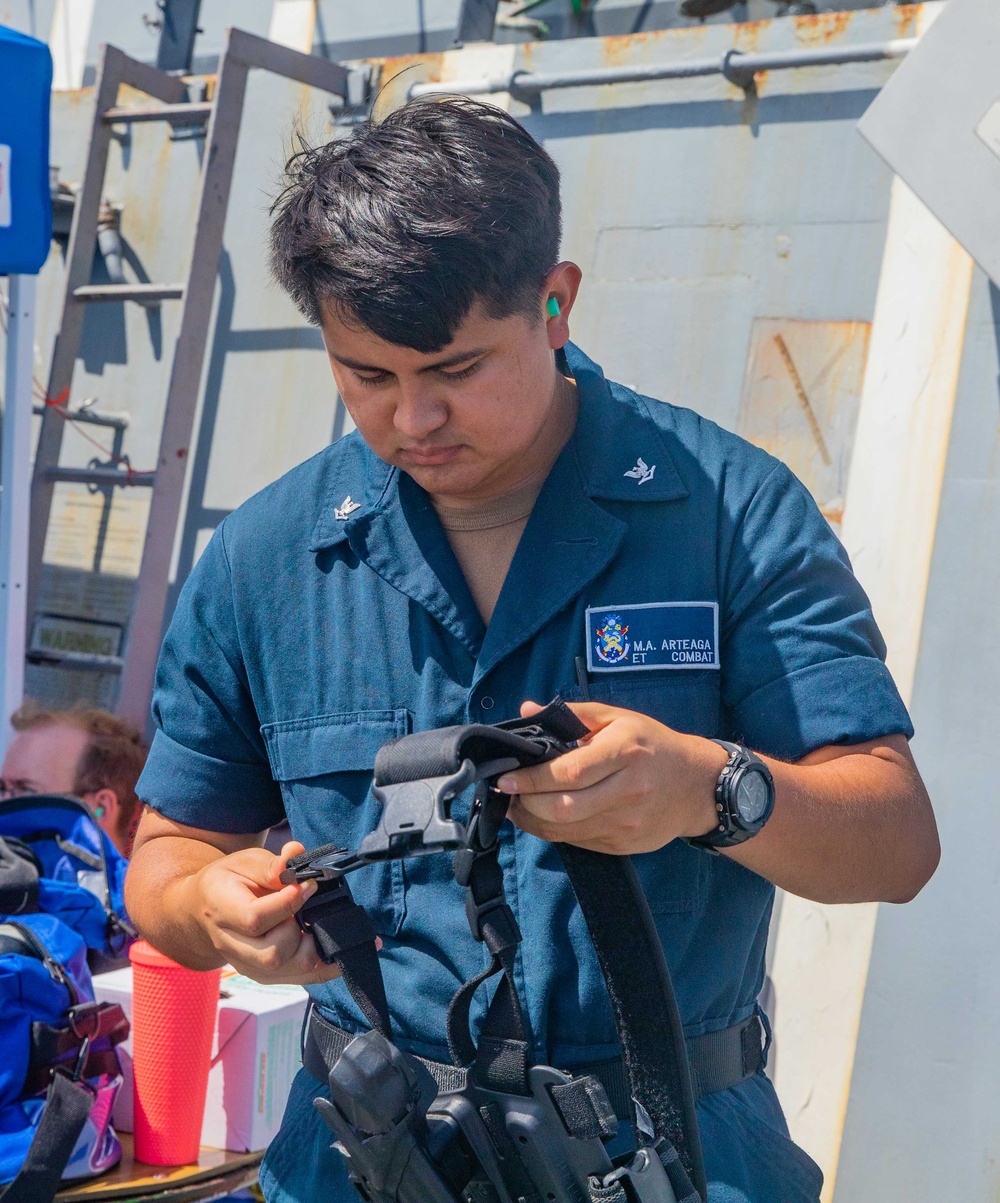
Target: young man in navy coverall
502 517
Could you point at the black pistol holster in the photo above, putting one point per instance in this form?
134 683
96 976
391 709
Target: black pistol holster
496 1128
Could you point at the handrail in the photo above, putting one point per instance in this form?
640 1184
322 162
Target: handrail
734 65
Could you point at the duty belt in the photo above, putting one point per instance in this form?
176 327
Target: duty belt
718 1060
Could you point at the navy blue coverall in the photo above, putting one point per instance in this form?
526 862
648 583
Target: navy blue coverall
702 587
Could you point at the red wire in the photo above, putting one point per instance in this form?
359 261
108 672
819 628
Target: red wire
58 405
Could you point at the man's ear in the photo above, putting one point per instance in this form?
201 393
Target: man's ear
558 297
106 809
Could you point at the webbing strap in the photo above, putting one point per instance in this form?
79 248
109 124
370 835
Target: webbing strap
648 1022
344 933
500 1060
67 1106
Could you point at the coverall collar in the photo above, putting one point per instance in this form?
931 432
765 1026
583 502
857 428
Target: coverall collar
616 453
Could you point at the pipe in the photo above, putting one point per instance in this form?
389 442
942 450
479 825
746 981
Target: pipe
737 67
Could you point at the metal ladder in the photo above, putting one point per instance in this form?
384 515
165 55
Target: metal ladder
223 115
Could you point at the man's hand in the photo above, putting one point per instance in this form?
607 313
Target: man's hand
249 916
205 899
633 786
851 823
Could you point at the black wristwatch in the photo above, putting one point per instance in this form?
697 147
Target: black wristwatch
744 799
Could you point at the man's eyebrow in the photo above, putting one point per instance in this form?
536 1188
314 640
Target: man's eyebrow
450 362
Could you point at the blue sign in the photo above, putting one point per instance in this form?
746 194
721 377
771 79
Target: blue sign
25 198
653 635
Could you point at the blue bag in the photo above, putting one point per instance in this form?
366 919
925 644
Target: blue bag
25 202
61 901
81 874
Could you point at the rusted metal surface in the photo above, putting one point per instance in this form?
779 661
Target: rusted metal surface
800 400
693 211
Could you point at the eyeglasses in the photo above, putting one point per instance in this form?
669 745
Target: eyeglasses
14 789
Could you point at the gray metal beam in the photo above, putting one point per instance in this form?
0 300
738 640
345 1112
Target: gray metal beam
309 69
150 598
101 476
243 51
179 25
476 21
176 114
80 256
144 293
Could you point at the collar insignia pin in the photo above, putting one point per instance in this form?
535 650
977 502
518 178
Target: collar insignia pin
641 472
345 509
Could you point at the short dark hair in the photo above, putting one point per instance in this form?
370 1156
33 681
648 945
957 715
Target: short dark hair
407 222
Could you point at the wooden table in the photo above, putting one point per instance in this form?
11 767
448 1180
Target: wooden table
217 1173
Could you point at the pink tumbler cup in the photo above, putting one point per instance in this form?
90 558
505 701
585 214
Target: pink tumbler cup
173 1017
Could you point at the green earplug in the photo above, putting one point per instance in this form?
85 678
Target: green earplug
552 305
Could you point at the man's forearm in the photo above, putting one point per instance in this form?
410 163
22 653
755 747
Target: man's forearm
856 827
161 898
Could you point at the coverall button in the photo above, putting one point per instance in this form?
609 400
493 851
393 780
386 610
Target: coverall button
486 703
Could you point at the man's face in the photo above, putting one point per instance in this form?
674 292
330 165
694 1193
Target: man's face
467 422
43 760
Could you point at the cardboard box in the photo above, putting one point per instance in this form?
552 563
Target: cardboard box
255 1055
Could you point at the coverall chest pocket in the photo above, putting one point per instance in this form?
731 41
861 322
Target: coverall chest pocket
324 765
676 878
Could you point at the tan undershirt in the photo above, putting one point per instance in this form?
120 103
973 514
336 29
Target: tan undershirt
484 539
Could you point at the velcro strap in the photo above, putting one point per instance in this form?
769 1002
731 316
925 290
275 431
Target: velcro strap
441 752
584 1109
502 1063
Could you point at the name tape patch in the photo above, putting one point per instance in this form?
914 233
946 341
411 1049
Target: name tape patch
653 635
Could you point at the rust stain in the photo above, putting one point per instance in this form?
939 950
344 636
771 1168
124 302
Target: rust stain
400 72
906 17
822 28
746 37
803 396
622 48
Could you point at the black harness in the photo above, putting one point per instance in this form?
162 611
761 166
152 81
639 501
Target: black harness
393 1158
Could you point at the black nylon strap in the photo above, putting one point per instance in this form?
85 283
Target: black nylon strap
344 933
649 1026
501 1059
323 1042
721 1059
67 1106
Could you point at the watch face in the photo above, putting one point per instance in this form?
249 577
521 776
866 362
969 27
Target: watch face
752 797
